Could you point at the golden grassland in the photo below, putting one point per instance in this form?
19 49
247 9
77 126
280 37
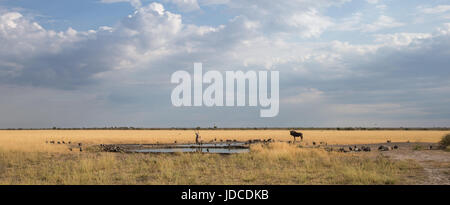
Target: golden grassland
276 163
34 140
25 158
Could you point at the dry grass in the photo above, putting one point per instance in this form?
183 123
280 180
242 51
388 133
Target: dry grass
25 158
277 163
34 140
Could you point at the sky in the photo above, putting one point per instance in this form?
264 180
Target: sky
97 63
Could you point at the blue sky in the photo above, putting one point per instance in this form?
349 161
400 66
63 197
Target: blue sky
93 63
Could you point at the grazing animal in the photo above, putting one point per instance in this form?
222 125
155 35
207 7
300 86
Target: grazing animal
52 142
350 148
59 142
69 142
388 141
314 143
63 142
365 149
395 147
341 149
79 144
296 134
384 148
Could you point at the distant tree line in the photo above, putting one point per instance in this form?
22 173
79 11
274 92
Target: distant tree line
237 128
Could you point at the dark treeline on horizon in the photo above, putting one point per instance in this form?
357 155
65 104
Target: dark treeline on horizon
238 128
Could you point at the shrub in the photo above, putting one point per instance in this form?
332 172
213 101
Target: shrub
445 141
417 147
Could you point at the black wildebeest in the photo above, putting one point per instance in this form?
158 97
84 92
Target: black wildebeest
296 134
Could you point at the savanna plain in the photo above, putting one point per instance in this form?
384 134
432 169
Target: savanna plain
322 157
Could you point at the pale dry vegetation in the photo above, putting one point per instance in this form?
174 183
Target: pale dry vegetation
25 158
277 163
34 140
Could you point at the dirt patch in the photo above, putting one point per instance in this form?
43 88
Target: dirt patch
434 161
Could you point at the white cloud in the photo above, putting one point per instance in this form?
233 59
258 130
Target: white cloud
144 48
23 39
372 1
355 22
185 5
134 3
400 39
435 10
351 23
213 2
383 22
444 30
311 23
297 17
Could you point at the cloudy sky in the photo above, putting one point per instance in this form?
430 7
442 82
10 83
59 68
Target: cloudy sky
90 63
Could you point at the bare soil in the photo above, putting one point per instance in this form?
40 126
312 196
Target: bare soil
434 161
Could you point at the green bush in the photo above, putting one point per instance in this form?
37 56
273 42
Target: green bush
445 141
417 147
